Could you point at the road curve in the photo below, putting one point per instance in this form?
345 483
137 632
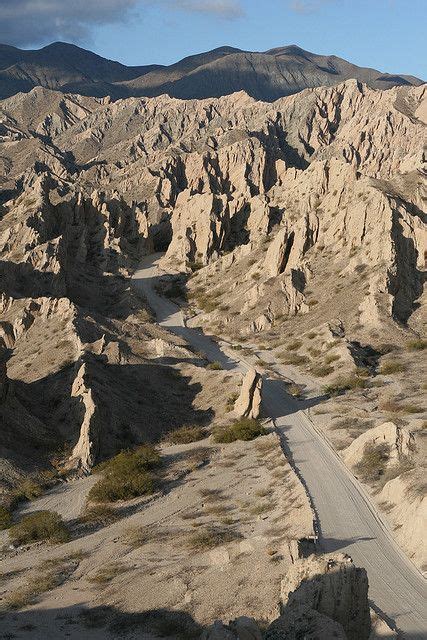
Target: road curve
347 519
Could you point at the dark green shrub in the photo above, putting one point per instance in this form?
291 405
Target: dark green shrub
244 429
126 476
41 525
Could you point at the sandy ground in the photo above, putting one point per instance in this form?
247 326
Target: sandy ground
347 518
247 489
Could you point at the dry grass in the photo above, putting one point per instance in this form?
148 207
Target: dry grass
392 366
210 537
107 573
186 434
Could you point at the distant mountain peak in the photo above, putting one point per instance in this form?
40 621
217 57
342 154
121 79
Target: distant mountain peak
265 75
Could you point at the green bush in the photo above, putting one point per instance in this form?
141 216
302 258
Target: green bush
5 518
244 429
41 525
186 434
126 476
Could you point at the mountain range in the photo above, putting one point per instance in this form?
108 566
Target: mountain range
265 76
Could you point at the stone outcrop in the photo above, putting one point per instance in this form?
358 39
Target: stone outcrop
334 588
399 441
248 404
242 628
304 622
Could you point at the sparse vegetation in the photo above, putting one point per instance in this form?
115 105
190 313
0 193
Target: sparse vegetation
26 489
373 463
321 371
214 366
105 575
210 537
5 518
392 366
417 345
243 429
39 526
99 515
295 390
126 476
186 434
341 385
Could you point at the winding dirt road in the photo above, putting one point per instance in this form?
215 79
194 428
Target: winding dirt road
347 519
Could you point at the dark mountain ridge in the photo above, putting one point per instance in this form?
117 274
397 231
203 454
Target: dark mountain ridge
264 75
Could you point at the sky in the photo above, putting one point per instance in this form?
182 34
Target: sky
389 35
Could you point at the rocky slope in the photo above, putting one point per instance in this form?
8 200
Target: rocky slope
265 76
295 228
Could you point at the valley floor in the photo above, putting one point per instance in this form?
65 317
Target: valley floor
348 521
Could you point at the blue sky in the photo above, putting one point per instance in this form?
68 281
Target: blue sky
389 35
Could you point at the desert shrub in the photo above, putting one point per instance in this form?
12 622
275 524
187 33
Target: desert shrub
195 266
126 476
5 518
332 357
242 429
372 465
41 525
210 537
231 401
214 366
295 390
404 465
26 489
321 371
341 385
392 366
186 434
417 345
205 304
99 515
